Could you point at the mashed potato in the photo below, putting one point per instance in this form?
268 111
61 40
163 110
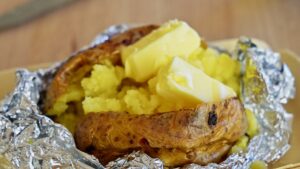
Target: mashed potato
104 81
103 89
140 101
73 94
219 66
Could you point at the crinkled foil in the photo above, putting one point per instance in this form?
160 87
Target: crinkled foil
29 139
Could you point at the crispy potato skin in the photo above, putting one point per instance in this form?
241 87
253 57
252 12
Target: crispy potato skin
80 65
200 135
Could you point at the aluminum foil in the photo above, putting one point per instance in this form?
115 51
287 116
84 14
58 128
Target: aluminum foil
28 139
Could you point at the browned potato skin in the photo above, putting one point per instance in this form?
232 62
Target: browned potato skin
200 135
81 63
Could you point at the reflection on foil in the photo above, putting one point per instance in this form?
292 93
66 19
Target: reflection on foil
136 160
29 139
109 32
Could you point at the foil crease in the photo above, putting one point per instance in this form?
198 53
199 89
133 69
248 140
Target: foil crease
28 139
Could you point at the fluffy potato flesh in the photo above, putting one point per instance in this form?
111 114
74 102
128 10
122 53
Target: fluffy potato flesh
178 85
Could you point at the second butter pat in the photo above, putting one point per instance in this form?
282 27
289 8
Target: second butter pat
143 59
181 81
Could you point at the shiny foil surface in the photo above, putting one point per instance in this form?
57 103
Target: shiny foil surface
29 139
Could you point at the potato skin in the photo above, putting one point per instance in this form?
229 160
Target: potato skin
200 135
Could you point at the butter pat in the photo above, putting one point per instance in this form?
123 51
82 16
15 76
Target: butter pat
143 59
181 81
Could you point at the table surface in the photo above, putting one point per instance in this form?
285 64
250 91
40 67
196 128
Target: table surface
55 35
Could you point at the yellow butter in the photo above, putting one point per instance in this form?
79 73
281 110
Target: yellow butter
183 82
143 59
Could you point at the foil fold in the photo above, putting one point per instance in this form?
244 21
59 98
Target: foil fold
32 140
136 160
29 139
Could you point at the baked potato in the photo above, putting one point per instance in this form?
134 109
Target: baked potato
200 134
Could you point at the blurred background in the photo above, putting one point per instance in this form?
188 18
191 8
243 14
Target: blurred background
55 34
